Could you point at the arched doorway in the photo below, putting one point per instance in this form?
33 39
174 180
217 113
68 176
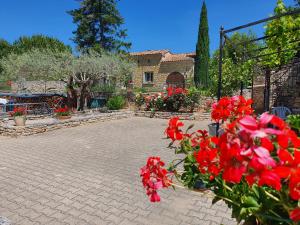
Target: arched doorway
175 79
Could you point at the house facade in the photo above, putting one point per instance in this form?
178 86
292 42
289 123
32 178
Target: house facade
161 68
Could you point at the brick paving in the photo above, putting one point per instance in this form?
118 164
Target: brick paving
89 175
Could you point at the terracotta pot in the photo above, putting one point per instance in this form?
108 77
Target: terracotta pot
20 121
63 117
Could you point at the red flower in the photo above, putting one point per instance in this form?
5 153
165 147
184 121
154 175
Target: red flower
294 185
207 156
295 215
154 177
271 179
18 111
175 91
220 110
173 131
61 110
259 128
231 159
231 108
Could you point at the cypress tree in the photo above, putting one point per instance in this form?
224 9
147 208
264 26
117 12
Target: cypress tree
99 26
202 51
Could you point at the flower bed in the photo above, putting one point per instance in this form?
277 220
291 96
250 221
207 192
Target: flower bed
174 100
254 166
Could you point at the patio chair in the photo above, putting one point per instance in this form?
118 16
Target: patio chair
281 112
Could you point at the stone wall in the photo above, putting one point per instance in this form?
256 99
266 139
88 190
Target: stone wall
37 128
284 88
186 68
169 115
149 63
165 115
38 87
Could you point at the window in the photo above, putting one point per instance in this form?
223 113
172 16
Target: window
148 77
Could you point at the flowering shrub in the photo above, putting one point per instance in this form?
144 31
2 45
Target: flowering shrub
173 100
62 111
139 100
254 166
18 111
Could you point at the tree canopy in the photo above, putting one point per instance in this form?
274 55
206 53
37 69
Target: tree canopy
237 67
25 44
99 26
284 35
201 77
36 64
5 48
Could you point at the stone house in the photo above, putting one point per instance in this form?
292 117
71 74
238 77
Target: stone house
161 68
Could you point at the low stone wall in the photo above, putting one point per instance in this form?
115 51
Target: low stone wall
169 115
41 124
37 128
165 115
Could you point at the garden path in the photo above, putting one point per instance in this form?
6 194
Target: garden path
90 175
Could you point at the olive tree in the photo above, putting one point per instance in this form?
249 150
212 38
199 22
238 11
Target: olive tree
79 71
92 66
43 65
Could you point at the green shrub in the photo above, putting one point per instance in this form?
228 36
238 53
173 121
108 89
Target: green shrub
192 98
107 88
294 122
116 103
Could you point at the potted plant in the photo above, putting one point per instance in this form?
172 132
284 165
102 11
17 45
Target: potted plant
19 115
62 113
253 166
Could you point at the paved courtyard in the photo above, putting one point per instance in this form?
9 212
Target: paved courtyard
90 175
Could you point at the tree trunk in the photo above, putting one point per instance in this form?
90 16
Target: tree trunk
71 95
82 96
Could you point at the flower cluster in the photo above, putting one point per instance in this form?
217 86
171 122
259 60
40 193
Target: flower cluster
231 108
254 152
18 111
155 102
176 91
154 177
173 100
62 111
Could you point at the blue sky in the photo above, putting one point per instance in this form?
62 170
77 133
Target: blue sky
155 24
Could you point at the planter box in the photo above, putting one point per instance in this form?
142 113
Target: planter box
63 117
20 121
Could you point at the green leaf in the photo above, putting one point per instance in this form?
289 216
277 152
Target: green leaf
249 201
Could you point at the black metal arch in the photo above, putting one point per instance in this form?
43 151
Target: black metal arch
224 38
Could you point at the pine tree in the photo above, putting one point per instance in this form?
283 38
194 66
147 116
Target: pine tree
202 51
99 26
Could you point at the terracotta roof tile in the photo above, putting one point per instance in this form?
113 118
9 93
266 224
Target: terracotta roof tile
150 52
167 56
177 57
